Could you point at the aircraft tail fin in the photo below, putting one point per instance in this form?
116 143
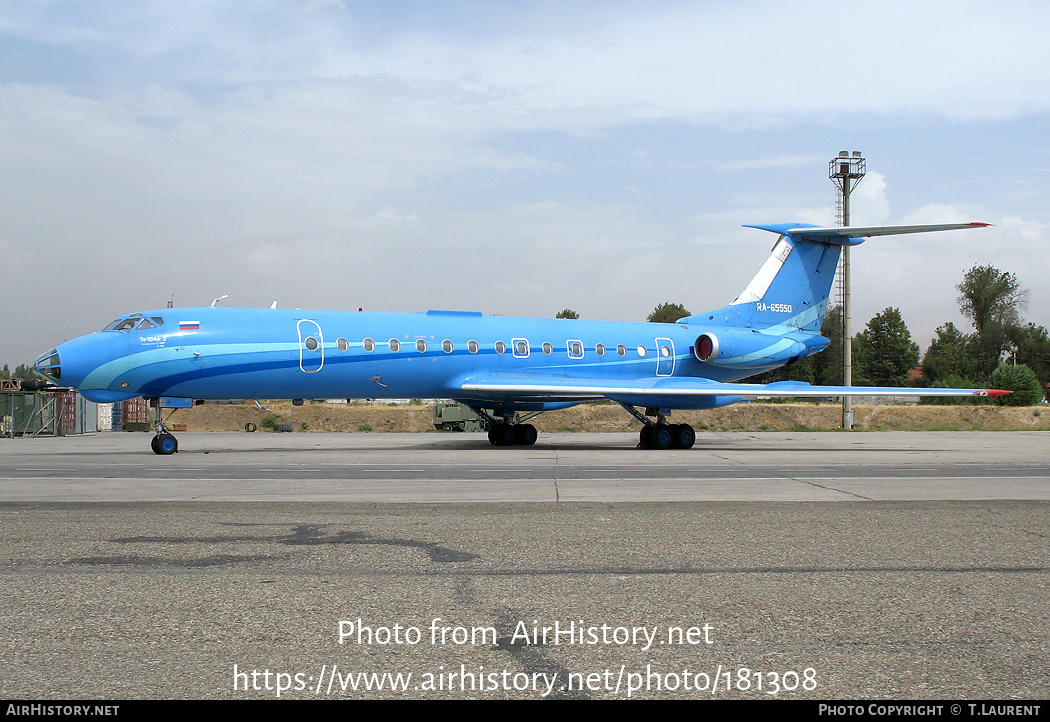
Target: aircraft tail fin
792 288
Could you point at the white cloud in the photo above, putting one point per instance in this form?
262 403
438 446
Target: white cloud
869 205
585 156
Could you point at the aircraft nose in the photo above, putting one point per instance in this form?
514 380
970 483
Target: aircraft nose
50 365
68 363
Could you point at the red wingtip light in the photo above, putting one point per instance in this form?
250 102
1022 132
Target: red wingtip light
977 223
991 392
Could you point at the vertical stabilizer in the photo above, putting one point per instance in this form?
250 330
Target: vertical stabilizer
790 291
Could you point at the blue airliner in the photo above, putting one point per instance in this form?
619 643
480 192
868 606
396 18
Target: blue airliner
503 368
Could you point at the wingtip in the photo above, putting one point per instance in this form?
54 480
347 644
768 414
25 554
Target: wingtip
978 224
992 392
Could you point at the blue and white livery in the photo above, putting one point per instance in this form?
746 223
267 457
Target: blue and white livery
502 367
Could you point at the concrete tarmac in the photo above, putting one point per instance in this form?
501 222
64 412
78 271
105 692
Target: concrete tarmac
795 565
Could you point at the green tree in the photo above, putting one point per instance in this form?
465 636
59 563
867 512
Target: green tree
987 350
948 355
827 365
990 297
992 300
5 373
954 382
567 313
1031 347
884 351
667 313
1019 379
25 372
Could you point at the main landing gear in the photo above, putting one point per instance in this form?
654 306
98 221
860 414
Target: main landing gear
666 436
503 433
163 443
661 435
510 430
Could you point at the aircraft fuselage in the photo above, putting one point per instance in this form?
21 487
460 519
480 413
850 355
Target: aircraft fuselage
220 353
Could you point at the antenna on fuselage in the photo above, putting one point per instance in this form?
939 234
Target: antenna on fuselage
273 305
216 301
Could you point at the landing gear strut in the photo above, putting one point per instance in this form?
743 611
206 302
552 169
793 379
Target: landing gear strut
163 443
661 435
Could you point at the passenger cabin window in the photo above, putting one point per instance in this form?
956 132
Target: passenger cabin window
521 348
311 343
395 345
447 346
472 346
501 347
575 349
343 345
621 350
641 350
421 345
599 349
547 348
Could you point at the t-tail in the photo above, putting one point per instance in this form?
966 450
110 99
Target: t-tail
790 292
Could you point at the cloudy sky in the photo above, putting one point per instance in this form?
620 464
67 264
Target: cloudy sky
513 158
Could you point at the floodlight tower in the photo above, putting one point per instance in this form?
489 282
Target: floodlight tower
846 171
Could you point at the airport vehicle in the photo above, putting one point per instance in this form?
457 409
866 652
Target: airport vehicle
457 417
499 366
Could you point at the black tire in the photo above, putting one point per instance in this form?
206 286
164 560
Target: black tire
167 444
525 435
504 435
661 437
684 436
644 436
250 427
448 427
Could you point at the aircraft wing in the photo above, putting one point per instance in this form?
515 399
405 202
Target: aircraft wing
582 389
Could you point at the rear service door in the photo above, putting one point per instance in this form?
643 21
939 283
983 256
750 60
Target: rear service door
664 357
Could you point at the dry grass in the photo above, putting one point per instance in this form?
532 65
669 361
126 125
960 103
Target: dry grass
609 417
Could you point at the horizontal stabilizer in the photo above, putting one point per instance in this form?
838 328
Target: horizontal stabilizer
838 235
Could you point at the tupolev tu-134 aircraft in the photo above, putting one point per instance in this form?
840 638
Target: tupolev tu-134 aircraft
506 369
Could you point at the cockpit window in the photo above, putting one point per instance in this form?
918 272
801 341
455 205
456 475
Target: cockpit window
135 320
127 324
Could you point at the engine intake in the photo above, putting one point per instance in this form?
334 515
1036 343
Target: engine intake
749 349
706 347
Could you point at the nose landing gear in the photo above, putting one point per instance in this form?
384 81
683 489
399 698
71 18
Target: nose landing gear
163 443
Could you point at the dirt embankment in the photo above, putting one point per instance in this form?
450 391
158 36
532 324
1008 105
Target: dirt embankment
609 417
